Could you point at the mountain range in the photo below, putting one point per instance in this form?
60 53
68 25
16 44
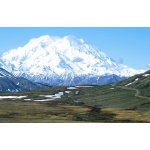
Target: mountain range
11 83
65 61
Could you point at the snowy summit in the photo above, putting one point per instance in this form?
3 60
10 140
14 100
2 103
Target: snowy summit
61 60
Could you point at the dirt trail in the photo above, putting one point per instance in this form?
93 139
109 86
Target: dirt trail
137 94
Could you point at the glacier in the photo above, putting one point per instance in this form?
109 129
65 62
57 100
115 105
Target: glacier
64 61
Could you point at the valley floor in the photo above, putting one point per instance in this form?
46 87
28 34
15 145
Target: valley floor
108 103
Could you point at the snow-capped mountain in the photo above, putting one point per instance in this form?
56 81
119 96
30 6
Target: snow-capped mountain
4 73
63 61
2 65
10 83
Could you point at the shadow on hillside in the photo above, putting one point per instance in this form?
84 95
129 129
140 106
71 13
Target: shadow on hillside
95 115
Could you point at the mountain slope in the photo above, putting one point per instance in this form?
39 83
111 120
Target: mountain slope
137 81
63 61
10 83
140 82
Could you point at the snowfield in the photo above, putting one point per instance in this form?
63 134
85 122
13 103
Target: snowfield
12 97
62 60
145 75
132 82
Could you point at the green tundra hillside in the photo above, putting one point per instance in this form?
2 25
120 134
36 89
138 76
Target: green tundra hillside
125 101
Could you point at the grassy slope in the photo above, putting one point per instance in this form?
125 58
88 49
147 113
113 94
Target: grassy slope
108 103
143 83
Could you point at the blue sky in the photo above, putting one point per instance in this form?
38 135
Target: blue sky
128 45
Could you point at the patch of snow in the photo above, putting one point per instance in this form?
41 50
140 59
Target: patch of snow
129 84
21 96
44 100
60 93
132 82
112 88
83 86
57 95
49 96
145 75
71 88
67 92
10 97
27 99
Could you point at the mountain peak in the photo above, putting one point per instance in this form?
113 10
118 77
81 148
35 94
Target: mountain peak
64 58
